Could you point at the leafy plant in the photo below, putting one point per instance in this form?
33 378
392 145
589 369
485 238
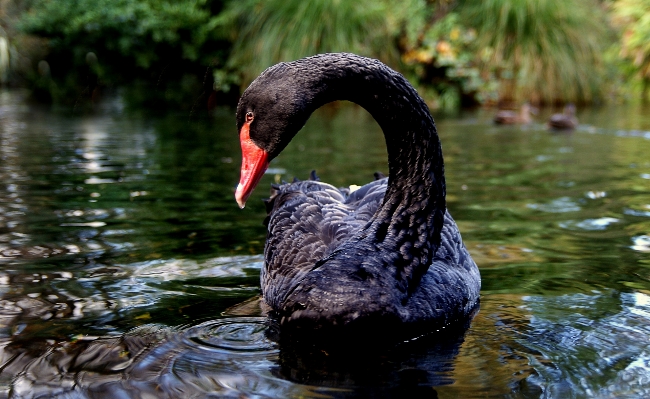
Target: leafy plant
541 51
265 32
456 52
95 43
634 17
442 56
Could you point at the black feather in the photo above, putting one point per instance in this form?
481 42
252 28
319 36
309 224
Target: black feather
387 252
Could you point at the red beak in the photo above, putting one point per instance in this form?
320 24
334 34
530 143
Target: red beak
253 165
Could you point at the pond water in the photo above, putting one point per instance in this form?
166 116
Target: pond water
127 269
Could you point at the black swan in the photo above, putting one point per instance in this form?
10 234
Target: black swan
388 254
566 120
509 117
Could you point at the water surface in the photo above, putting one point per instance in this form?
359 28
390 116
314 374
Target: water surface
128 270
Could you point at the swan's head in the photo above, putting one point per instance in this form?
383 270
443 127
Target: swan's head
270 112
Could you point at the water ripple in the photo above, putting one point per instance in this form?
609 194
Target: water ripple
236 334
589 224
635 212
641 243
587 345
559 205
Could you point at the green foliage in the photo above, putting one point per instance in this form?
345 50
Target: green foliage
265 32
634 18
117 41
508 50
128 27
542 51
456 52
442 57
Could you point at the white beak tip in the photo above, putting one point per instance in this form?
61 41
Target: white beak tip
239 197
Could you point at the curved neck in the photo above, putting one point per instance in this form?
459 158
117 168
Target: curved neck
416 172
413 211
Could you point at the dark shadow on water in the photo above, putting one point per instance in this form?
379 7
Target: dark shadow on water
374 368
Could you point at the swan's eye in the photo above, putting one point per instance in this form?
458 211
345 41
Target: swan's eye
249 117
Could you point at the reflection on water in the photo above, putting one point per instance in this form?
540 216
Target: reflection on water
127 268
228 358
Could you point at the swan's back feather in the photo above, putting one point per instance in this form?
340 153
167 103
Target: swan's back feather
309 220
312 208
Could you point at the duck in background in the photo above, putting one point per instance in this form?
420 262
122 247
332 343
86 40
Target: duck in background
565 121
510 117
